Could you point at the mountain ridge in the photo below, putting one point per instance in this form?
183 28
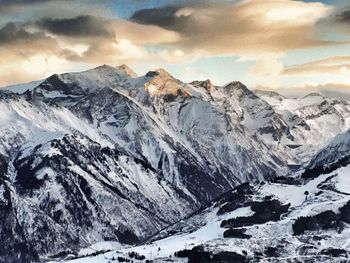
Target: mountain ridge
158 147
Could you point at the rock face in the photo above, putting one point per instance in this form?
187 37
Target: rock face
107 155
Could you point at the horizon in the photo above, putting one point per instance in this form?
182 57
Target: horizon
272 45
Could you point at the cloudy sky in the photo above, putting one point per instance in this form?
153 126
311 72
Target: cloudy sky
263 43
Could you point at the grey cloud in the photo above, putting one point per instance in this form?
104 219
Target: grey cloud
80 26
13 32
4 2
163 16
343 16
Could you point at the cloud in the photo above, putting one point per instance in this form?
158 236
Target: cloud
337 22
190 74
82 37
334 70
80 26
164 16
7 3
28 2
249 27
34 68
343 16
144 34
18 43
26 10
266 72
84 32
81 40
331 65
12 33
331 90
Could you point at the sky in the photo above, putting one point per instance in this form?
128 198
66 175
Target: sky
271 44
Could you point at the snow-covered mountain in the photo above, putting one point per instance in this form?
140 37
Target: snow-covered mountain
313 121
105 155
304 218
335 155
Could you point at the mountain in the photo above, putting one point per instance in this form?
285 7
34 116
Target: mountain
332 157
106 155
302 218
313 121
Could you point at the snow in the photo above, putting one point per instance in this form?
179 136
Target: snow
18 127
342 179
324 117
152 89
2 192
22 88
98 78
166 248
210 231
44 172
292 104
103 258
293 194
105 245
57 94
271 233
26 125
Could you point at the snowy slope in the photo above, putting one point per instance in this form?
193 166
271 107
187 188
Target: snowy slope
22 88
72 192
322 201
314 120
271 241
333 156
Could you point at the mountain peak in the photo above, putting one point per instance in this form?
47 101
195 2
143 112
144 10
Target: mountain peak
123 69
162 83
237 86
103 67
206 84
268 93
238 90
127 70
159 73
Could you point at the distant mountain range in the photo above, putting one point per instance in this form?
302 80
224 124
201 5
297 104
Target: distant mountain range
106 155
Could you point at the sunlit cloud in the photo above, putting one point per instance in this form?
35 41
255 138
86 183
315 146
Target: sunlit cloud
266 72
250 27
33 68
331 65
335 70
56 36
